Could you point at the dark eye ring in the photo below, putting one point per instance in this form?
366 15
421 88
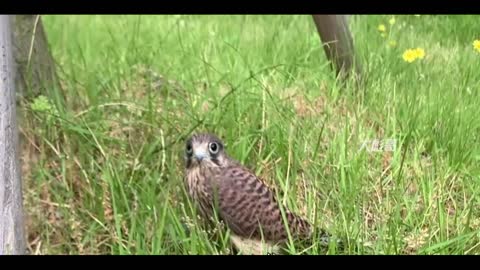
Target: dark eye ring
213 147
189 149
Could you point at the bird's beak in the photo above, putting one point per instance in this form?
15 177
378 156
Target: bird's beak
200 155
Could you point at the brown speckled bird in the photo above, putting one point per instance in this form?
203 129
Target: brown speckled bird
219 184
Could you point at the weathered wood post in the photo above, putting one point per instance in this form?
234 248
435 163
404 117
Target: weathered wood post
338 43
12 232
35 66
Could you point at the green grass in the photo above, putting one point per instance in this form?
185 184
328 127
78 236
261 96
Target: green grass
104 174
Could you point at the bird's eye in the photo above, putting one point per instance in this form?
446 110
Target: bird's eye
189 149
213 147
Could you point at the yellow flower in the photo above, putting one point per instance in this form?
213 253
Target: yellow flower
392 43
382 28
392 21
420 53
409 55
476 45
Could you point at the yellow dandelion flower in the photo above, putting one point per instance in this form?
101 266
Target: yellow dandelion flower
420 53
476 45
382 28
392 43
409 55
392 21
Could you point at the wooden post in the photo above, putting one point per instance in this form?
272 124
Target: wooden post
338 43
35 66
12 232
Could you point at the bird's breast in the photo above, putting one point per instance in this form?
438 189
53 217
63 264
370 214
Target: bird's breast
199 185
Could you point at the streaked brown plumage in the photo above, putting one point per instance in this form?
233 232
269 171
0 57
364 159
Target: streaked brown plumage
242 201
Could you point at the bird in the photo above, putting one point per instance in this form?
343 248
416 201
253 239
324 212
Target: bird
223 188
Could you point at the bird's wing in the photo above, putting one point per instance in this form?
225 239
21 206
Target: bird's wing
250 210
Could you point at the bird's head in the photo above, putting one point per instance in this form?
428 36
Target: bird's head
205 150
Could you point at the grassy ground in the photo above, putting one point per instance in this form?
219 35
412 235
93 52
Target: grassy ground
103 170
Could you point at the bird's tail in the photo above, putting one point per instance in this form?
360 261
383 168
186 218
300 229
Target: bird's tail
299 226
324 238
303 231
310 235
